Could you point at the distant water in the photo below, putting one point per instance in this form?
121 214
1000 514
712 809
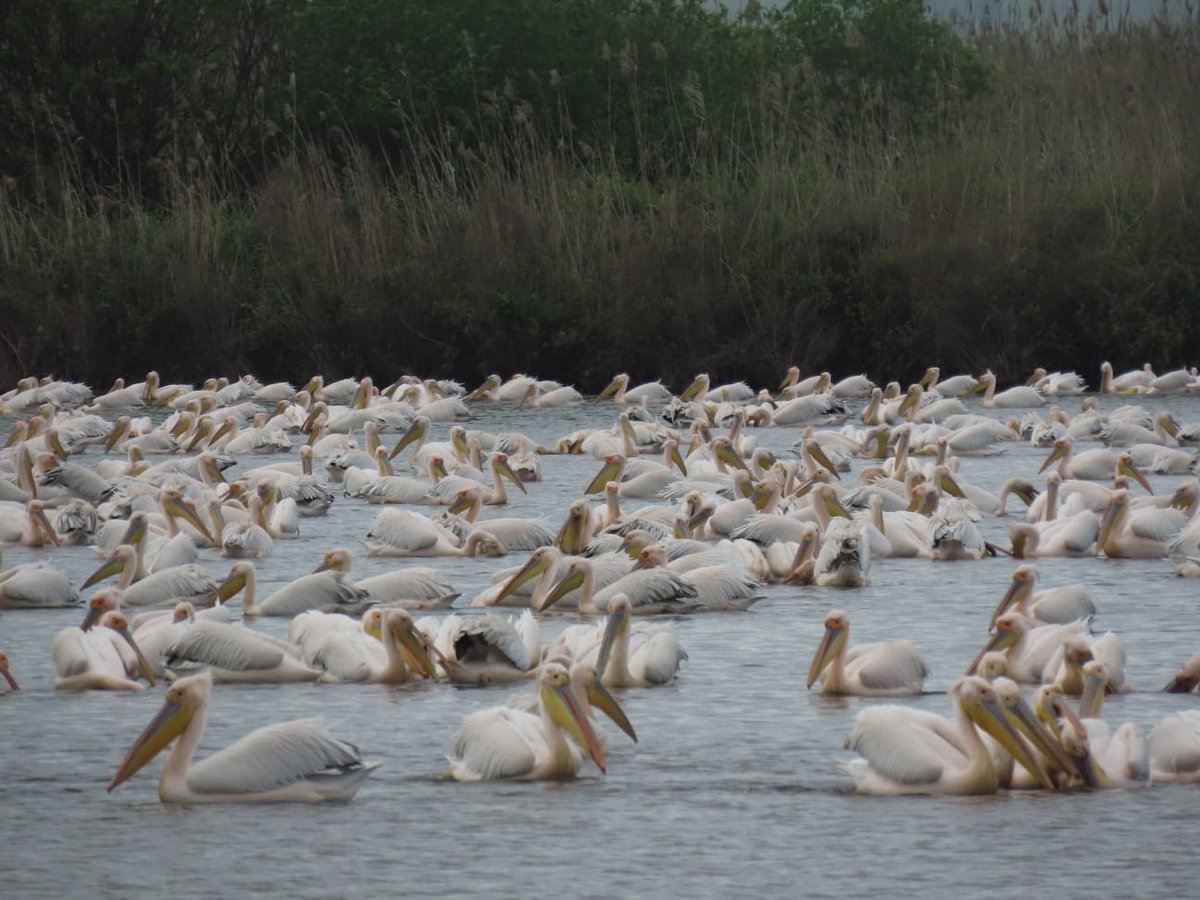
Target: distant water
1138 11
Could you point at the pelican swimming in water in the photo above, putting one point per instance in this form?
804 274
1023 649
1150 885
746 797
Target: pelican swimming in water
621 392
503 742
1019 397
322 587
387 649
1054 606
891 669
913 751
1175 748
188 582
654 660
296 761
89 659
35 586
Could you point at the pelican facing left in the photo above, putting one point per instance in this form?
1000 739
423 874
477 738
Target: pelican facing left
295 761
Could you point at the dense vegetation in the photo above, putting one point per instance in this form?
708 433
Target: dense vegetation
575 187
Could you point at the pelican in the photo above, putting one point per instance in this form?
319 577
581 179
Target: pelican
320 588
845 557
912 751
87 659
488 649
400 532
503 742
296 761
1122 538
1018 397
1093 465
1028 648
1187 678
653 661
891 669
1054 606
358 656
649 591
621 392
1122 757
188 582
27 527
412 588
514 533
35 586
1071 536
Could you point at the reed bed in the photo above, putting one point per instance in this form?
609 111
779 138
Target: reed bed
1037 207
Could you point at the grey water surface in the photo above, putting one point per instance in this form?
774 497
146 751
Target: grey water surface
733 789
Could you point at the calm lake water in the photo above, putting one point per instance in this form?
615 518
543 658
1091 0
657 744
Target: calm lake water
734 788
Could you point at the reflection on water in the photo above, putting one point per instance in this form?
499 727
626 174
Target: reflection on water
734 787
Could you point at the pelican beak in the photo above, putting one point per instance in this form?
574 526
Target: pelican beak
505 469
729 456
1127 468
226 427
48 531
143 664
830 646
458 439
833 505
461 503
677 458
12 682
118 431
560 702
1108 524
608 391
950 486
989 715
480 392
927 378
569 537
818 453
618 624
608 472
692 390
1182 682
572 581
910 400
176 507
170 722
1090 771
414 649
1092 697
1056 454
1023 717
326 564
1016 593
532 567
230 586
112 567
415 430
600 697
1001 640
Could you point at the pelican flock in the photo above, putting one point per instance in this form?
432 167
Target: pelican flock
720 500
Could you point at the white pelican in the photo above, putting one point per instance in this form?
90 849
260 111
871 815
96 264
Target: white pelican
503 742
297 761
249 538
26 527
621 392
650 591
411 588
845 556
1055 606
654 660
320 588
912 751
401 532
954 386
1133 381
35 586
189 582
88 659
1175 748
1092 465
1070 536
891 669
1125 537
1028 647
488 649
235 654
385 650
1122 757
514 533
1018 397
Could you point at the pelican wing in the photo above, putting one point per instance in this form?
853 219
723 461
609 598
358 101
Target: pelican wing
36 586
519 534
887 665
497 743
178 583
406 584
225 647
767 529
905 745
313 591
274 757
483 638
659 656
349 655
404 530
649 588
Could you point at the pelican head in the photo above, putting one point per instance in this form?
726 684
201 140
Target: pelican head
500 465
614 463
573 579
4 671
619 612
1126 467
184 699
992 666
399 622
124 556
100 603
1009 628
559 701
837 633
1025 720
416 431
616 384
173 504
539 561
1062 447
571 537
1023 580
652 556
340 559
239 575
